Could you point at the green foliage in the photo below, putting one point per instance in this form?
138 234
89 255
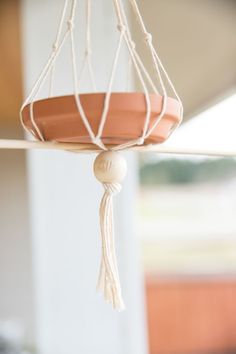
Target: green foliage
182 171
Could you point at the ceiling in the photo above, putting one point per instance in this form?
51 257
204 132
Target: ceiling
196 40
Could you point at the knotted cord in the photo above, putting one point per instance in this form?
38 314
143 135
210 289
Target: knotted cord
109 166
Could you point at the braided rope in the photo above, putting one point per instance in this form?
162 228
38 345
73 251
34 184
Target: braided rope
108 280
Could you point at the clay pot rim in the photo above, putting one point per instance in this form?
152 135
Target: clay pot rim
102 93
128 103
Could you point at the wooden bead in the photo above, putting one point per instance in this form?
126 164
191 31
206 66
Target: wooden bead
110 167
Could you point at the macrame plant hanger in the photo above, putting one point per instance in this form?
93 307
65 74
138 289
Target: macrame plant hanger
109 167
70 120
105 123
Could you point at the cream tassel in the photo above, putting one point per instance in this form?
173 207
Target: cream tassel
110 169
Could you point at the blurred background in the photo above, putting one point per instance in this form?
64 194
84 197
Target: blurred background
176 227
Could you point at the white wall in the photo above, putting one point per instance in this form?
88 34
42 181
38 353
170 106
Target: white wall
65 199
16 293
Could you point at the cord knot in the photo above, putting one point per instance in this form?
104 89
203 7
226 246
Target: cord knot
121 28
141 141
70 24
148 38
97 141
88 52
55 47
112 188
133 44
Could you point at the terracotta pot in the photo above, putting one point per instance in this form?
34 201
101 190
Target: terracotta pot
59 120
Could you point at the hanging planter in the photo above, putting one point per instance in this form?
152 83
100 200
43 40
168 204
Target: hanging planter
58 118
106 121
103 122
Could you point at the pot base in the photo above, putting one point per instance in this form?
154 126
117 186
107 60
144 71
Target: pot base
59 120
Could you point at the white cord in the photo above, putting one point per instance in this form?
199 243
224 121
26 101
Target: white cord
56 43
133 46
146 93
42 78
108 93
96 141
156 60
108 280
88 50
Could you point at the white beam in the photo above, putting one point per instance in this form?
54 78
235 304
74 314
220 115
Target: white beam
81 148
